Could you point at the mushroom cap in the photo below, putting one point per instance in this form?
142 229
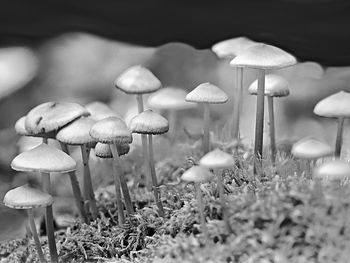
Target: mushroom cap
103 150
44 158
207 93
334 170
232 47
26 197
77 132
197 174
262 56
137 80
111 130
217 159
149 122
169 98
334 106
51 116
20 127
100 110
275 86
310 148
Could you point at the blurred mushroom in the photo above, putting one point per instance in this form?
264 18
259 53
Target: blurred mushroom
100 110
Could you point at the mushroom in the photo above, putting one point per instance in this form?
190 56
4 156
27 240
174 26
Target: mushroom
207 93
335 106
100 110
333 171
25 197
171 99
78 133
275 86
45 159
217 160
102 150
198 175
151 123
113 131
228 49
139 80
262 57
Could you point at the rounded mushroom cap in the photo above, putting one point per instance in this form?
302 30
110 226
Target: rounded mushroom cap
335 170
232 47
169 98
100 110
334 106
26 197
103 150
44 158
137 80
310 148
207 93
51 116
111 130
149 122
197 174
77 132
263 56
20 127
217 159
275 86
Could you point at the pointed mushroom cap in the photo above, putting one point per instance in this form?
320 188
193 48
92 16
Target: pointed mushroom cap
334 170
20 126
51 116
137 80
263 56
334 106
149 122
197 174
310 148
44 158
232 47
217 159
103 150
100 110
77 132
207 93
111 130
26 197
275 86
169 98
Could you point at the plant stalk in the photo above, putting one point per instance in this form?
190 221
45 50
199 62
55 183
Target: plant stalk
272 130
339 139
35 236
206 139
237 105
201 212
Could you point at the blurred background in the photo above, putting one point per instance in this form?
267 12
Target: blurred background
73 51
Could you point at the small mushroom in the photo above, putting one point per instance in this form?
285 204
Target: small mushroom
25 197
207 93
335 106
100 110
151 123
275 86
333 171
102 150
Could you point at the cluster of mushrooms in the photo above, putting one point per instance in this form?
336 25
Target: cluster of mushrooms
96 128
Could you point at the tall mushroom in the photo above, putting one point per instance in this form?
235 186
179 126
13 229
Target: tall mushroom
275 86
205 94
26 197
335 106
262 57
151 123
45 159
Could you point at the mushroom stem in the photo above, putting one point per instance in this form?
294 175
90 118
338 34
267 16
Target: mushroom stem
259 126
201 211
222 198
339 139
35 236
272 130
172 115
206 143
237 106
88 189
124 186
49 219
76 189
144 144
154 177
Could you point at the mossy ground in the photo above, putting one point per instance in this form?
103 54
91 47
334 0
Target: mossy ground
283 217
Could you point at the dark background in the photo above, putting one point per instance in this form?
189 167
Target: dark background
316 30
